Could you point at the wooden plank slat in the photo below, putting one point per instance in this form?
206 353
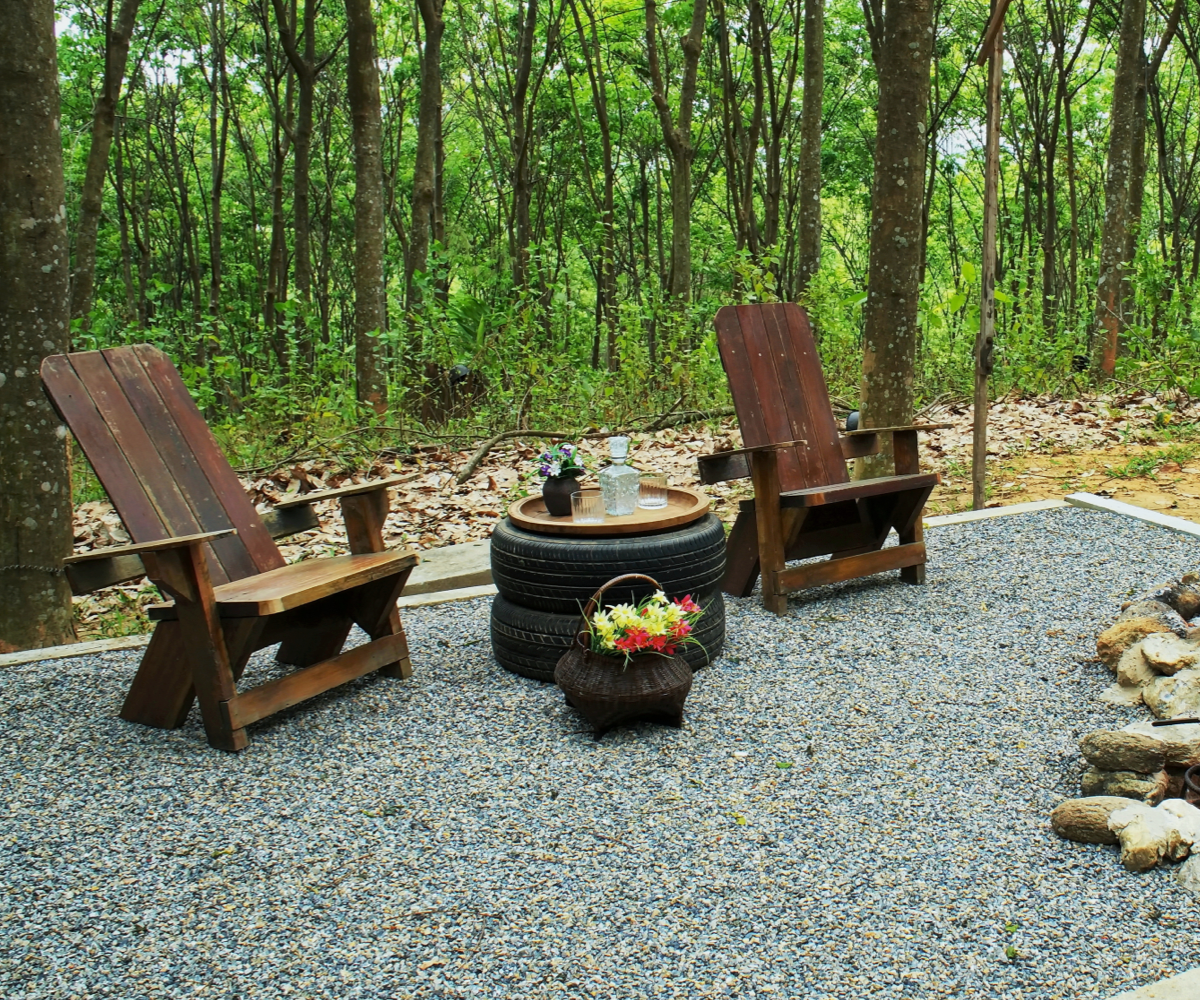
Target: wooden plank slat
154 545
801 467
742 385
904 427
200 440
795 467
95 574
279 694
133 439
852 567
281 523
75 405
304 582
345 491
857 447
822 428
180 462
819 495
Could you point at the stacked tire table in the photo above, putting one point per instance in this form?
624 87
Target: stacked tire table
544 579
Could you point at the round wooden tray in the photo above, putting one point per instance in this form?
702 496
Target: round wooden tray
683 505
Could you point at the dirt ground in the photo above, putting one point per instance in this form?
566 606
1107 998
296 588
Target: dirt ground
1173 488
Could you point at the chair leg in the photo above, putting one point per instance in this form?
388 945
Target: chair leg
162 693
910 525
376 613
764 466
913 574
184 573
741 554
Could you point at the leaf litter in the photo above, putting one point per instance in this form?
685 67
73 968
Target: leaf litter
1037 448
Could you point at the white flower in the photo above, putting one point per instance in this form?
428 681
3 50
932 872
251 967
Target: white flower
555 468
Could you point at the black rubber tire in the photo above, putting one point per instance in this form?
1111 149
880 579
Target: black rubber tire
530 643
558 573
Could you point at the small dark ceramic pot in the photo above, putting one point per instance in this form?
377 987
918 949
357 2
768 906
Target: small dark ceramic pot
557 492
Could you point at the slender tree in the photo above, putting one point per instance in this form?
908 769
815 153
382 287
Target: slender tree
809 255
677 134
117 35
369 304
901 46
1119 170
35 489
429 130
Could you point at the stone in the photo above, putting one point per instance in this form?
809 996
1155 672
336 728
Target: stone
1112 642
1148 788
1188 875
1149 835
1119 694
1175 696
1160 611
1180 744
1086 820
1132 668
1166 653
1115 750
1183 595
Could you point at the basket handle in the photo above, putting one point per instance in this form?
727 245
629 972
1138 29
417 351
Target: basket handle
594 601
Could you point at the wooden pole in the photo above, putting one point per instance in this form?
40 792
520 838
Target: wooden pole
993 53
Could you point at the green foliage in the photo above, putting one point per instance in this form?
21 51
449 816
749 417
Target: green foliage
260 359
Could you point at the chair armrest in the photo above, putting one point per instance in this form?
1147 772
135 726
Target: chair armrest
161 545
344 491
725 465
893 430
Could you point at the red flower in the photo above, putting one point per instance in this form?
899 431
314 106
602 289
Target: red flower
687 605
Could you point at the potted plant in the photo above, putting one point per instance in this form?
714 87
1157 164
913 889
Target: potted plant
622 664
561 468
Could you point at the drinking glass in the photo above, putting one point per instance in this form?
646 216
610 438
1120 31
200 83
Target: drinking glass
652 490
587 507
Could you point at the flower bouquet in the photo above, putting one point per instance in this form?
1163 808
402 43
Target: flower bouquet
622 664
653 625
561 468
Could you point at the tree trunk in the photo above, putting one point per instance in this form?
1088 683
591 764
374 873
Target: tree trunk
678 138
369 304
116 54
1122 137
901 42
429 127
35 487
218 136
809 253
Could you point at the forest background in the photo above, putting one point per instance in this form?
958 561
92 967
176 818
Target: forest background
538 166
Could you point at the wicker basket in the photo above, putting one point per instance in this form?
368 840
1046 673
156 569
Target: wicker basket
607 692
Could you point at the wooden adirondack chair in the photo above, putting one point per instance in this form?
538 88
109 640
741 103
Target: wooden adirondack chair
804 504
201 541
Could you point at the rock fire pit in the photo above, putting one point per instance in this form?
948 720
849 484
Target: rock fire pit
1134 787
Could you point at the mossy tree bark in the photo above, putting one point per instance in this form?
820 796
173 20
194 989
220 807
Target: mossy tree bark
35 489
902 46
369 303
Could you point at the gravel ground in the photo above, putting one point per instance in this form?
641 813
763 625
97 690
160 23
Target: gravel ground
857 807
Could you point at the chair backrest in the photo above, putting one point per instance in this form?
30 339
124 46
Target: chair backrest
155 456
779 390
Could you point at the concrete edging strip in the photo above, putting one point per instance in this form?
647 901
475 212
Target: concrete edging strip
1090 501
73 649
979 515
1185 986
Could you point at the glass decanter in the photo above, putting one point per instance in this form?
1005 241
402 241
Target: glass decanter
618 481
